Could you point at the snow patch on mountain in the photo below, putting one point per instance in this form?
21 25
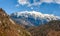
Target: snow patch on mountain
36 14
33 18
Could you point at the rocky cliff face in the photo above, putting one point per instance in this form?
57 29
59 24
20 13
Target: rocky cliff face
9 28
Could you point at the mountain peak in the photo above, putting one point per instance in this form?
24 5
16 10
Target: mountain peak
2 13
1 10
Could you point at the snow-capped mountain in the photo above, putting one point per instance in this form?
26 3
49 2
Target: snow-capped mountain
32 18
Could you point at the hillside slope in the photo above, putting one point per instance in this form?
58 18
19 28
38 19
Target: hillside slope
50 29
9 28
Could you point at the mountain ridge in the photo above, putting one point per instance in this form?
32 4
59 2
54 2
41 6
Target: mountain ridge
32 18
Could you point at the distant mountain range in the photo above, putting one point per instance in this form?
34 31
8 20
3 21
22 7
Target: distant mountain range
32 18
9 28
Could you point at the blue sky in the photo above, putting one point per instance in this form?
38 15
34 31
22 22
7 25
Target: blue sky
43 6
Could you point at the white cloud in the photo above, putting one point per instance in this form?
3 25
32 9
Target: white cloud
17 5
31 7
23 2
57 1
47 1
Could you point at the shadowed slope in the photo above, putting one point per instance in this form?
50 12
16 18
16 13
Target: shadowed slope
50 29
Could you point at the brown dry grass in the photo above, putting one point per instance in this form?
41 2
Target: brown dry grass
7 28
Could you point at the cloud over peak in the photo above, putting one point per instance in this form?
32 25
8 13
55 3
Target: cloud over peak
37 2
